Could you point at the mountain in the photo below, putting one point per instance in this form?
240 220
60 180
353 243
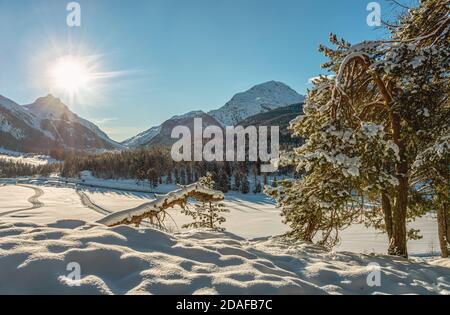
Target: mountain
68 128
20 130
48 124
161 135
278 117
259 99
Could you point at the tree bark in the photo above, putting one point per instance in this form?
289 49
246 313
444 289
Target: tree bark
447 216
397 244
443 230
387 213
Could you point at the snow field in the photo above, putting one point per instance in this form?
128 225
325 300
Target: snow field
58 204
37 246
124 260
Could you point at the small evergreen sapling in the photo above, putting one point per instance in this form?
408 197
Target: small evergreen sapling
206 214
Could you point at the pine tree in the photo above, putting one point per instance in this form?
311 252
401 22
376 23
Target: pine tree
206 214
245 186
224 184
258 188
366 126
274 182
169 179
177 176
237 181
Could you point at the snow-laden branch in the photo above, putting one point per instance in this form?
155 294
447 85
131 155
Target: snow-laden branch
344 64
151 209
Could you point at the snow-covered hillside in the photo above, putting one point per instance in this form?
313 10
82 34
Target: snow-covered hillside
259 99
48 124
21 130
67 127
161 135
24 158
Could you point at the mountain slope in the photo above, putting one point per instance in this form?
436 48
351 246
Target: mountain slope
20 130
259 99
68 128
161 135
280 117
48 124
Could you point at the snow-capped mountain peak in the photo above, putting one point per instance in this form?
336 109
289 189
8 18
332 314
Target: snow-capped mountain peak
259 99
49 107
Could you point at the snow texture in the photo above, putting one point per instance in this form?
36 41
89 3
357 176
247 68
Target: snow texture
125 260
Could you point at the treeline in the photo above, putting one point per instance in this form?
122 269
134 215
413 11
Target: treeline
10 169
156 166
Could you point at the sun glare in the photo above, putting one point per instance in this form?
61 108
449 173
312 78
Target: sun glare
71 74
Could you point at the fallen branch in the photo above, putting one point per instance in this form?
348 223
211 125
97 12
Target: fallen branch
151 210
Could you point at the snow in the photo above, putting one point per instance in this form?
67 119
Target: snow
158 204
6 127
142 138
50 107
25 158
255 216
165 129
58 203
258 99
13 197
36 246
22 114
251 216
124 260
88 180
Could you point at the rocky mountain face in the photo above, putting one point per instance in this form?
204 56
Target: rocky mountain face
48 124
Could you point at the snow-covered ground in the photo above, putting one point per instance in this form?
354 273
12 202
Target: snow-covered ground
124 260
254 216
44 227
24 158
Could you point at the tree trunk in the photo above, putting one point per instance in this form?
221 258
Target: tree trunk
443 230
397 244
387 213
447 216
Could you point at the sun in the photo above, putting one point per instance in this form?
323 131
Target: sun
71 74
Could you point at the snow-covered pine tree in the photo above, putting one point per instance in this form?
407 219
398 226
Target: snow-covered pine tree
366 125
206 214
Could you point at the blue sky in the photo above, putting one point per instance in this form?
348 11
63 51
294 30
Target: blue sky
174 55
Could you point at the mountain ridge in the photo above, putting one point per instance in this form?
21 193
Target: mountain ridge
259 99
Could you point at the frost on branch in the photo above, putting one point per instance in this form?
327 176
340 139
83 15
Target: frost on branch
153 209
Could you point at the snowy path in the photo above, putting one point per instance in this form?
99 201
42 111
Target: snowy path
34 200
87 202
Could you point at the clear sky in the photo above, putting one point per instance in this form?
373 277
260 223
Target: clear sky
171 56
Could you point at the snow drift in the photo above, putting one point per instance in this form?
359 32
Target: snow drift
125 260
